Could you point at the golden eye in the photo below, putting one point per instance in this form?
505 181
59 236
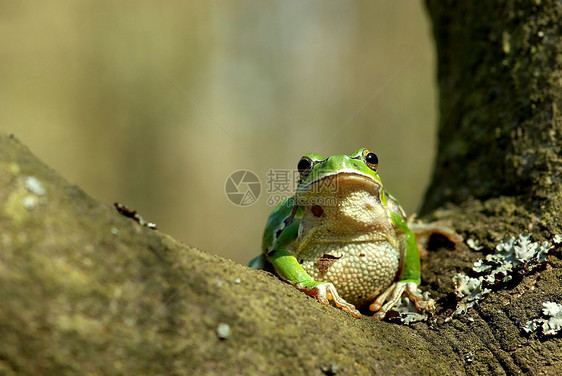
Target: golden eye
371 159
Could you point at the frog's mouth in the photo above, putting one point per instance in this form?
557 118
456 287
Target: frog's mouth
339 183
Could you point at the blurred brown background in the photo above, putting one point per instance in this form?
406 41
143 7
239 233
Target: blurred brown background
155 104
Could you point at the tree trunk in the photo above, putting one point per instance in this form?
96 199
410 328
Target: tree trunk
500 82
84 290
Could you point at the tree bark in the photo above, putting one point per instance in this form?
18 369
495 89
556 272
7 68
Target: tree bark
84 290
500 84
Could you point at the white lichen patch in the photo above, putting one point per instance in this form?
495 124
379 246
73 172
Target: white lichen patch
469 288
474 244
29 202
33 185
551 324
407 312
223 331
35 195
512 255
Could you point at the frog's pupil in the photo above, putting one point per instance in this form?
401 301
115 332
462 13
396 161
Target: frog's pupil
372 158
304 164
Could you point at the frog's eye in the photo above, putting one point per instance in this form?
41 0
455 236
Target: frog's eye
304 166
371 159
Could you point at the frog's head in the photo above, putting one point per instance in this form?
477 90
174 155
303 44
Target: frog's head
323 177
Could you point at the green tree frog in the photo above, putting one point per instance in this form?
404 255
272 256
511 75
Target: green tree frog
342 238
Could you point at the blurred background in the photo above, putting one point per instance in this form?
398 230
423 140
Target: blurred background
155 104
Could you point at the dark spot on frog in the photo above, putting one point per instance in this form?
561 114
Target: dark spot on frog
317 210
368 206
361 255
324 263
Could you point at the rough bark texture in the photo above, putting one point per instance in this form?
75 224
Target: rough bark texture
500 81
84 290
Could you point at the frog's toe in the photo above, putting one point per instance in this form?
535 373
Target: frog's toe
422 304
379 301
395 292
391 297
325 292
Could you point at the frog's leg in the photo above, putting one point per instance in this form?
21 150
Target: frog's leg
259 262
424 230
289 269
409 277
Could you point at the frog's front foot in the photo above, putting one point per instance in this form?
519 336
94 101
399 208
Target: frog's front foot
394 293
324 292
